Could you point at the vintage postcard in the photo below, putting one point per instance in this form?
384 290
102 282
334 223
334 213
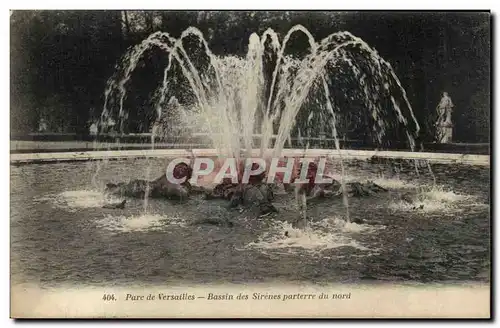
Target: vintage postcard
250 164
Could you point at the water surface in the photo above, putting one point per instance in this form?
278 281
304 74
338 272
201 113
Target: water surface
60 234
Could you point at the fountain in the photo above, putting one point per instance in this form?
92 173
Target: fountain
256 104
270 103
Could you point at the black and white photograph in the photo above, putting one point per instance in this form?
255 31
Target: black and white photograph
250 164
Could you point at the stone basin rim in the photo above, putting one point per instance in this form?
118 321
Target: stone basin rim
445 158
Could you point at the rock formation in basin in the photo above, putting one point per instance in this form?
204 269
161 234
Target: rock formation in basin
159 188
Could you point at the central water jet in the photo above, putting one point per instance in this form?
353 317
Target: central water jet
251 106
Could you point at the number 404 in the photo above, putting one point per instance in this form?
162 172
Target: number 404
109 297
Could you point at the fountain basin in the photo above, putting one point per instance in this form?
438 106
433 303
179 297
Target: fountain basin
60 233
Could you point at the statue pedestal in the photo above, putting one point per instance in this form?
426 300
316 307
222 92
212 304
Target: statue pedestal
445 133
